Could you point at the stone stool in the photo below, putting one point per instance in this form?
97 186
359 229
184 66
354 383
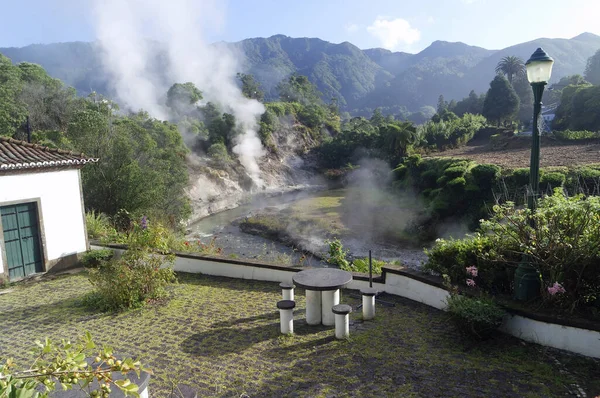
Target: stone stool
342 320
368 302
286 315
287 290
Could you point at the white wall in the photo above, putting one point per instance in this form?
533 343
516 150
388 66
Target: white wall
61 208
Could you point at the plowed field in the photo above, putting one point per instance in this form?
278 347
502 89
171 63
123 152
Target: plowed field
517 153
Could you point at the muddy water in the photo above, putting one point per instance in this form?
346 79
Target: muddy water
223 227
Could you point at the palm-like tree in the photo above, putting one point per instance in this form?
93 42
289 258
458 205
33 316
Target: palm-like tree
511 66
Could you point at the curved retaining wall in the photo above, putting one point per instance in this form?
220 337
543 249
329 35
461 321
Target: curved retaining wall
402 282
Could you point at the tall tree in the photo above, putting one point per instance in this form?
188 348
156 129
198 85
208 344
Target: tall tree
297 88
182 98
511 67
442 105
592 69
525 93
501 102
250 87
12 111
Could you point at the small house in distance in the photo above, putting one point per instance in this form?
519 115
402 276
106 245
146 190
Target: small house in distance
42 217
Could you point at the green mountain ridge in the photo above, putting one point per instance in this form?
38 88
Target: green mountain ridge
361 80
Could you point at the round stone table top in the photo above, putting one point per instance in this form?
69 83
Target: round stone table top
322 279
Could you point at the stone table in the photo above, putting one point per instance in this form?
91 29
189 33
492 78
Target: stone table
322 292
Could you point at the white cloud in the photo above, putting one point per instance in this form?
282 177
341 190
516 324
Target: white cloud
394 33
431 20
468 1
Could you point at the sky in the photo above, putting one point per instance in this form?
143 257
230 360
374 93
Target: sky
398 25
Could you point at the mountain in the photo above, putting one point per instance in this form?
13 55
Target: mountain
361 79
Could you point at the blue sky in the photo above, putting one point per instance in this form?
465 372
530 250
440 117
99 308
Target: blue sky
400 25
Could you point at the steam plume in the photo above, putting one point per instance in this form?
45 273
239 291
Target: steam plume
179 25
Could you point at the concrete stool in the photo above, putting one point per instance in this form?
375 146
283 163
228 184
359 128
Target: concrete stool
342 320
287 290
286 315
368 302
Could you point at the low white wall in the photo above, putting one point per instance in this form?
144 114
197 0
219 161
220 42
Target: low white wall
581 341
413 289
61 208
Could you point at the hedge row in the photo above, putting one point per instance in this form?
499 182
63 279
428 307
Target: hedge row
463 189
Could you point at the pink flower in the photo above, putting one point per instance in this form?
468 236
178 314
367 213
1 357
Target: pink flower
470 282
556 288
472 270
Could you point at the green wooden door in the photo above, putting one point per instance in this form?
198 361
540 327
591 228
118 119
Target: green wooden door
21 239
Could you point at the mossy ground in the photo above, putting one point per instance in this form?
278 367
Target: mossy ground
221 337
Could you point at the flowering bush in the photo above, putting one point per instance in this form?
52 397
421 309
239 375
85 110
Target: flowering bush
564 247
477 317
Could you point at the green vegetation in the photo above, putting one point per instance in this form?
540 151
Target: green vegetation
568 135
454 188
73 366
227 331
131 280
592 69
501 102
579 109
96 258
477 317
564 247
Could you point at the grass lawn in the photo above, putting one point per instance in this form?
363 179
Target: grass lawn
221 337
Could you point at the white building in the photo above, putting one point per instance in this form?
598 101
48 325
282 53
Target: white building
42 223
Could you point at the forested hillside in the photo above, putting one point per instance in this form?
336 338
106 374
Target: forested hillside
360 80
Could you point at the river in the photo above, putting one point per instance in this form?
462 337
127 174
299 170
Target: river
224 228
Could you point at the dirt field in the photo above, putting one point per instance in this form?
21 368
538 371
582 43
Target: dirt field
518 150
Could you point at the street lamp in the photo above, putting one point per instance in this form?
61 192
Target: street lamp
539 70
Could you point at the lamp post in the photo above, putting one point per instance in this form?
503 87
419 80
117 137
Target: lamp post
539 70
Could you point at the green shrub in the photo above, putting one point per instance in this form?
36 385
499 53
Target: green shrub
485 175
337 254
568 135
552 180
218 151
455 171
400 172
362 265
441 181
564 246
457 183
476 317
98 226
96 258
588 179
132 280
428 179
521 176
451 256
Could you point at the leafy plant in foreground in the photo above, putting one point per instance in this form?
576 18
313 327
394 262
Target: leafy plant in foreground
70 365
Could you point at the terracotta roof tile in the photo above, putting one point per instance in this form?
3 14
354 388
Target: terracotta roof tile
19 155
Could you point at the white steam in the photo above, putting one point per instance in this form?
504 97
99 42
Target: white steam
123 30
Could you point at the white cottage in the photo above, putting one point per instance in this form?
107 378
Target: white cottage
42 223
